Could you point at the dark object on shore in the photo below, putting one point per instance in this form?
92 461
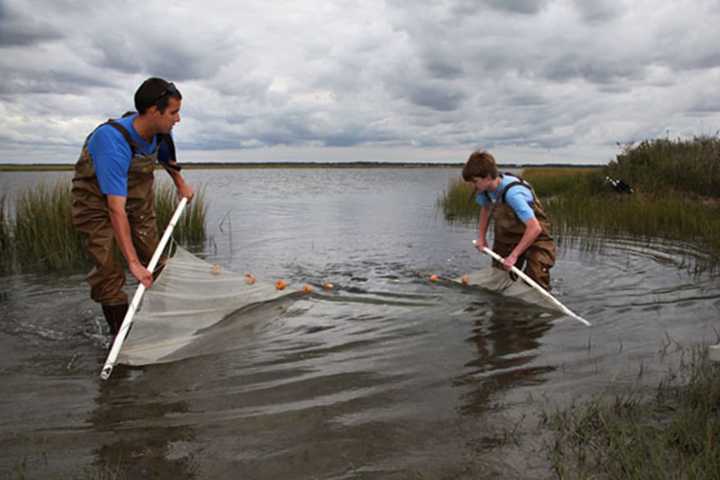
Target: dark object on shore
618 185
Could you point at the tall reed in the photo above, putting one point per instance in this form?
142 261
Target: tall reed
660 165
43 232
672 217
6 247
42 235
190 229
458 201
558 181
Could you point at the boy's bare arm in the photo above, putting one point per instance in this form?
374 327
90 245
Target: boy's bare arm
532 231
482 229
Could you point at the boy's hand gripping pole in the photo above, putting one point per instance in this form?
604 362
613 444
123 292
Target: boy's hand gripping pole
537 287
127 321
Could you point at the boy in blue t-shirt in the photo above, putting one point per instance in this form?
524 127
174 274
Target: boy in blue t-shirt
521 228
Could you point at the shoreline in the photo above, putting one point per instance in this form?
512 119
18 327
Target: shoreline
60 167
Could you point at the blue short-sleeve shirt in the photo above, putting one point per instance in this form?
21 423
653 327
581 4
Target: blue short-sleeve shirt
519 198
112 155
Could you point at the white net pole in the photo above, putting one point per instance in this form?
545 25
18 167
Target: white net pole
127 321
537 287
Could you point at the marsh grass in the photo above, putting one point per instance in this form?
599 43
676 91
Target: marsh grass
457 201
6 247
559 181
582 201
41 235
190 229
673 217
673 434
656 166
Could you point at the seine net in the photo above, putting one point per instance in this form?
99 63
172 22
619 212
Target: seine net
188 298
499 281
185 311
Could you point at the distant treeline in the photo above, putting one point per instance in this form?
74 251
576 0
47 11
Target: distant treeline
50 167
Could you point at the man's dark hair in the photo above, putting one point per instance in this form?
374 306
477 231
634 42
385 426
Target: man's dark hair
155 92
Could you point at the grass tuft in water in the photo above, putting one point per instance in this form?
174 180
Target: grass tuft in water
190 229
6 246
44 236
673 435
458 201
672 217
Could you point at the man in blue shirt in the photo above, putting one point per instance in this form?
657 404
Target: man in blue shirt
113 195
521 228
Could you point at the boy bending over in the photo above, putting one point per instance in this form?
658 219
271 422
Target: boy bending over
522 230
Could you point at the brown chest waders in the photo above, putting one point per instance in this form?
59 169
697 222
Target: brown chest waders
509 229
91 216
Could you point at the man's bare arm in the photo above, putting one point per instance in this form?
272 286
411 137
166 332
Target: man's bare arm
123 236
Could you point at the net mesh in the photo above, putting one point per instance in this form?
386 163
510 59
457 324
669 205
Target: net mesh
188 297
499 281
191 295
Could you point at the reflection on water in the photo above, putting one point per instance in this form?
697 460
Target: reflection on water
387 376
507 337
129 412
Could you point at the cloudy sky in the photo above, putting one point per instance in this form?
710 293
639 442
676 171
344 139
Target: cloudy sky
377 80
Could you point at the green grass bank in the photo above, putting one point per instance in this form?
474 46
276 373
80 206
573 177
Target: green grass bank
673 432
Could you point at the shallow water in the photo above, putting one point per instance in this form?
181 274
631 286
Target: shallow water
388 376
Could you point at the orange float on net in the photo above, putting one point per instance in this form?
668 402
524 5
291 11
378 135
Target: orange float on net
328 286
307 288
280 284
249 278
434 278
465 279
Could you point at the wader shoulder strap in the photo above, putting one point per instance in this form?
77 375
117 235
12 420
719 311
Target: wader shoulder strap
510 185
166 138
125 134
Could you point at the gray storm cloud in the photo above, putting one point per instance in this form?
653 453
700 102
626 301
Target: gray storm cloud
547 79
